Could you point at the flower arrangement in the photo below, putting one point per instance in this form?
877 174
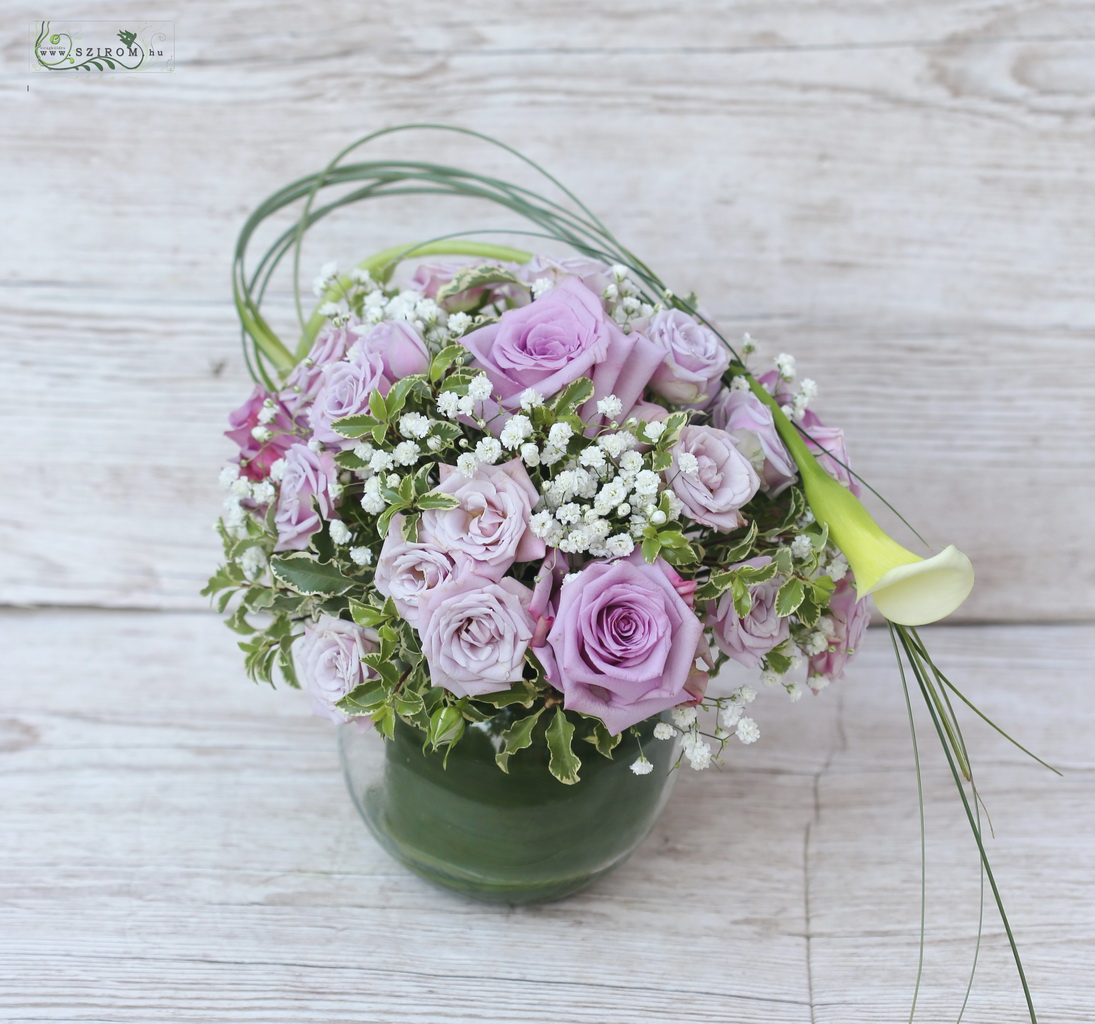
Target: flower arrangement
520 483
488 480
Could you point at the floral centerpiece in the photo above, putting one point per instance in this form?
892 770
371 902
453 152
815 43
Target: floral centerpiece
544 497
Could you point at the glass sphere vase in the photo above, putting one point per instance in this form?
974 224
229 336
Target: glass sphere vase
462 823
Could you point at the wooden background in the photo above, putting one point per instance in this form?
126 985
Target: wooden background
902 195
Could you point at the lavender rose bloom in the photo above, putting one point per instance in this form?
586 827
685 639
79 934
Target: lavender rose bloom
623 642
475 633
748 639
256 457
594 274
849 618
304 497
489 529
749 422
400 347
695 358
386 353
711 477
303 383
345 390
563 335
407 572
328 658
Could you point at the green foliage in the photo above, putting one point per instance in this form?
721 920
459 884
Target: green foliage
446 726
517 737
563 763
475 277
575 394
789 596
441 362
602 739
306 574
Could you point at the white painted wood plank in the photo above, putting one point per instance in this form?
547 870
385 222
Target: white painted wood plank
178 844
914 219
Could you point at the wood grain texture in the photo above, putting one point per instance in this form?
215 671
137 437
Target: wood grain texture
899 195
178 845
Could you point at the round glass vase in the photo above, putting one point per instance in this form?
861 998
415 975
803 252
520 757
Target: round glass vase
519 837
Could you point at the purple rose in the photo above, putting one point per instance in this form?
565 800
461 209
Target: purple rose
553 341
849 619
711 477
695 358
594 274
623 643
748 639
304 381
304 497
475 633
400 347
344 391
385 353
490 527
256 457
407 572
749 421
328 659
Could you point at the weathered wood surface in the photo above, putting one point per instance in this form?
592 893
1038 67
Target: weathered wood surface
178 845
901 195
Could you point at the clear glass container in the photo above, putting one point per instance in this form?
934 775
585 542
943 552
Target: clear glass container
519 837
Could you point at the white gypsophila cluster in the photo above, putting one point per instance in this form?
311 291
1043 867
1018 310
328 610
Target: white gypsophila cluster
541 285
414 426
467 464
517 429
488 450
479 388
594 505
688 464
263 493
624 301
340 532
458 323
610 406
837 569
327 278
785 366
696 750
253 562
372 501
531 399
451 405
801 548
361 556
642 766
